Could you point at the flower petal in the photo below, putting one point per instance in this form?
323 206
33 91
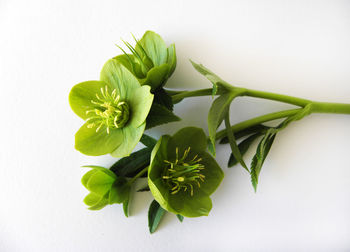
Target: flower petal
81 95
100 183
118 77
154 46
131 136
140 105
212 172
187 137
92 143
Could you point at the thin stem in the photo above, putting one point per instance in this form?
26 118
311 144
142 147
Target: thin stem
143 171
185 94
257 120
277 97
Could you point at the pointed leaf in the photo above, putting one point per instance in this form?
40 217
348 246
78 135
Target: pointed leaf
180 217
131 165
148 141
261 153
155 215
160 115
233 144
243 148
217 113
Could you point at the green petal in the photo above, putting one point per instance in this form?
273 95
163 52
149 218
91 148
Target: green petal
131 136
140 105
100 168
118 77
92 199
100 204
171 58
119 191
100 183
196 205
212 172
81 95
92 143
157 76
154 46
155 171
86 177
187 137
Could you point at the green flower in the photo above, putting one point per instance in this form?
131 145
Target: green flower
151 61
114 108
182 175
105 188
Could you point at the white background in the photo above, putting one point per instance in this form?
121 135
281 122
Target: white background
299 48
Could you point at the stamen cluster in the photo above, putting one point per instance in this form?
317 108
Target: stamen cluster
109 111
183 174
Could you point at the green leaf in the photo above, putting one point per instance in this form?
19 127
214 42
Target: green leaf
81 95
163 98
144 189
160 115
119 191
246 132
133 164
180 217
217 82
217 113
261 153
243 148
155 215
233 144
126 206
100 183
148 141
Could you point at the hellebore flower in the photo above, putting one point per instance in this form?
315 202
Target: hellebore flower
105 188
182 175
151 61
114 108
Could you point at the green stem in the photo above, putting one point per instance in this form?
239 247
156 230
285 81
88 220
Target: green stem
330 107
143 171
276 97
185 94
257 120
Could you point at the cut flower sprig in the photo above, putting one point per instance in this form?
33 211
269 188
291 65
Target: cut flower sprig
179 170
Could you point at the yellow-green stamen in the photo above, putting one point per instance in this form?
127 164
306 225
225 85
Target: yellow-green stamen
183 173
109 111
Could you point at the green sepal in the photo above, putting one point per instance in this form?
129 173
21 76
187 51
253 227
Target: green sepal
119 192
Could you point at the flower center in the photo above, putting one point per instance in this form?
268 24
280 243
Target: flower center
109 111
183 174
